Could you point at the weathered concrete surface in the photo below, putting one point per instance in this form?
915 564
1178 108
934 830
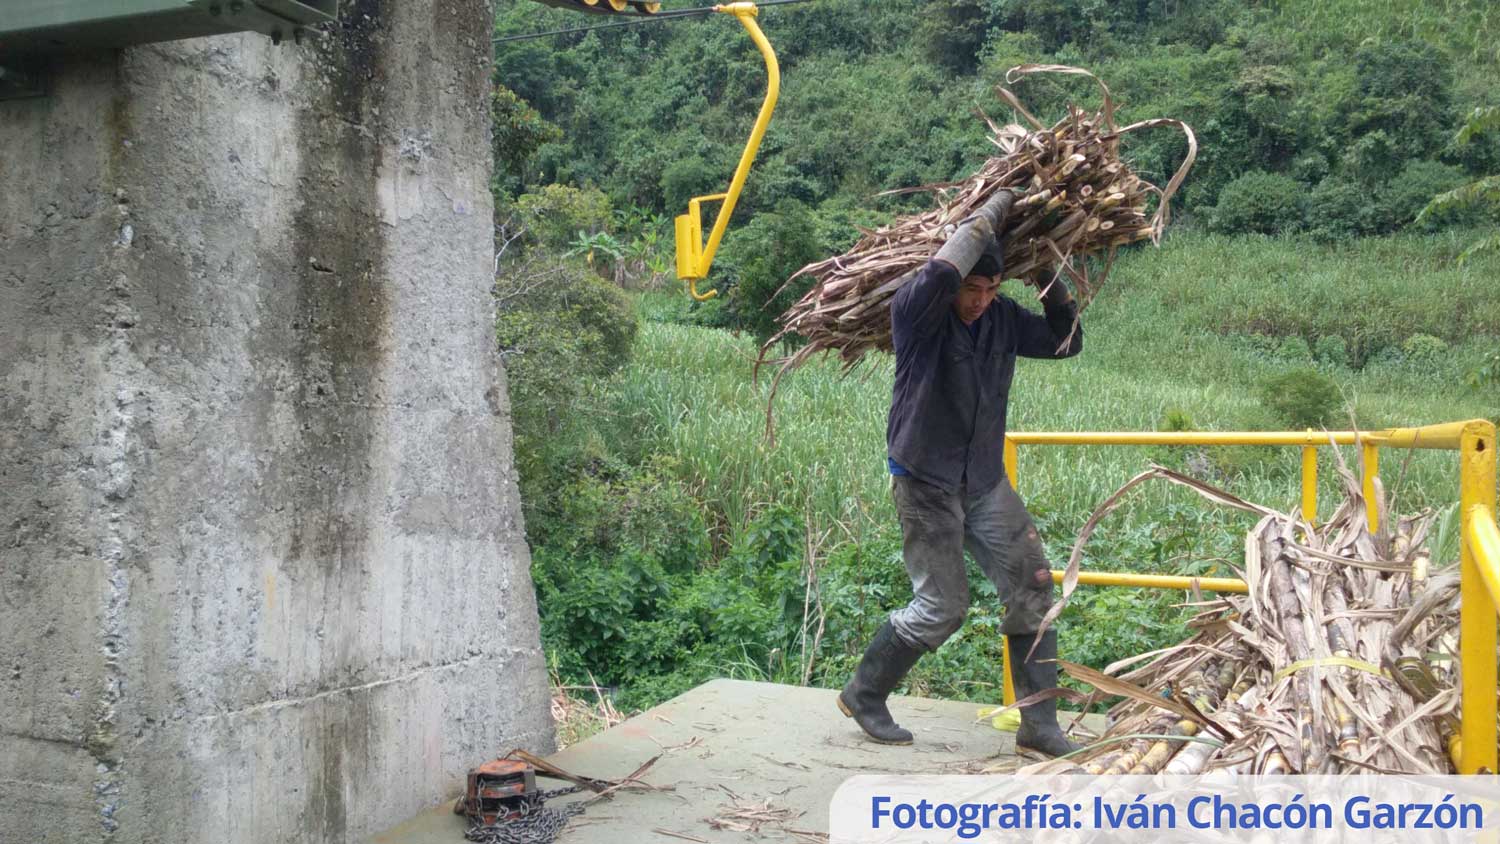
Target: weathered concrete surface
759 741
263 576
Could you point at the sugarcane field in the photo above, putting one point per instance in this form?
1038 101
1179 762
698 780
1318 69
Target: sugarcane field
813 421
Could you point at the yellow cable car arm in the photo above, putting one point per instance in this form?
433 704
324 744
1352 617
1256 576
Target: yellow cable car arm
693 257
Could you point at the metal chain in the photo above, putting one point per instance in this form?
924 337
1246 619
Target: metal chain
537 824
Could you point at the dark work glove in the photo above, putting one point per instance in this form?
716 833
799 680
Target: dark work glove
1057 295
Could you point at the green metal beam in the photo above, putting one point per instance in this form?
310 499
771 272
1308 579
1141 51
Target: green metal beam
24 15
34 27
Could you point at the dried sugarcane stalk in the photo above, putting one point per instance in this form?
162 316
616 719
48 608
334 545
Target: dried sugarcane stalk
1206 692
1076 198
1327 665
1162 749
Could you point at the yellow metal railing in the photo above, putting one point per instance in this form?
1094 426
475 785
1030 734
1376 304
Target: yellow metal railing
1474 440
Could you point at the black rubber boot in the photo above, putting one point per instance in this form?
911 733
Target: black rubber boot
1039 730
885 663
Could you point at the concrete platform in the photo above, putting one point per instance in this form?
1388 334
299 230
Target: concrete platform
732 743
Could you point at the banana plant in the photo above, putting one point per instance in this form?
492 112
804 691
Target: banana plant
587 244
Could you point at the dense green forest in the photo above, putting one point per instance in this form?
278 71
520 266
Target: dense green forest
1301 285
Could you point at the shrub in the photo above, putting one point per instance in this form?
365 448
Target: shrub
1407 194
1385 357
557 213
1311 168
560 316
952 32
761 257
1302 398
768 556
1332 351
1423 348
714 313
1263 346
613 556
1259 202
1372 157
1175 419
861 581
1486 373
1294 349
1338 209
560 328
1406 90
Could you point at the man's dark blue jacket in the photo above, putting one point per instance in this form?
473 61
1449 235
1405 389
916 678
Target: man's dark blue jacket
947 421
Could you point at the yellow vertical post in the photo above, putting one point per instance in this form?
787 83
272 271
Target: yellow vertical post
1007 688
1372 469
1310 484
1476 625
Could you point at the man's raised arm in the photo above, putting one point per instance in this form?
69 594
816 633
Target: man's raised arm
921 305
1043 336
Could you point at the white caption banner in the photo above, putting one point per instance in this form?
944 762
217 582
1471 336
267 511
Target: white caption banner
1362 808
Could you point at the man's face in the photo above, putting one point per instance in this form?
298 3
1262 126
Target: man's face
976 294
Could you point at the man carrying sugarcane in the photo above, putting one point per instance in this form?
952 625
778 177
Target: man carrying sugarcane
956 344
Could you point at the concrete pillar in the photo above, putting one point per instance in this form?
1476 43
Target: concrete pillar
263 576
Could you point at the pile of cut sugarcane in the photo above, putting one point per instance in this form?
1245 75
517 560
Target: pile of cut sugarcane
1343 656
1076 198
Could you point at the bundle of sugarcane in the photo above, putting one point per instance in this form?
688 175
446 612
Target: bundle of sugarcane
1076 198
1341 657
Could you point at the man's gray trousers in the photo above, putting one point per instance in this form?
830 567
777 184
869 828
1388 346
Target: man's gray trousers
936 528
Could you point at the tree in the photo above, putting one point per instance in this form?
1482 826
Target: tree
762 256
1481 193
518 131
953 32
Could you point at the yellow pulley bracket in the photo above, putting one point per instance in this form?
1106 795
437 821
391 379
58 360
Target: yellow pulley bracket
693 257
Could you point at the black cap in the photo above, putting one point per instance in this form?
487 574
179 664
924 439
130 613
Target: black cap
992 262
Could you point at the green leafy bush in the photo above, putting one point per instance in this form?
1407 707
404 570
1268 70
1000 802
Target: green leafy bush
1486 373
1408 193
1311 168
1259 203
952 32
1423 348
760 259
1405 90
1302 398
1332 351
560 328
612 552
1339 209
1294 349
556 214
1175 419
688 177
